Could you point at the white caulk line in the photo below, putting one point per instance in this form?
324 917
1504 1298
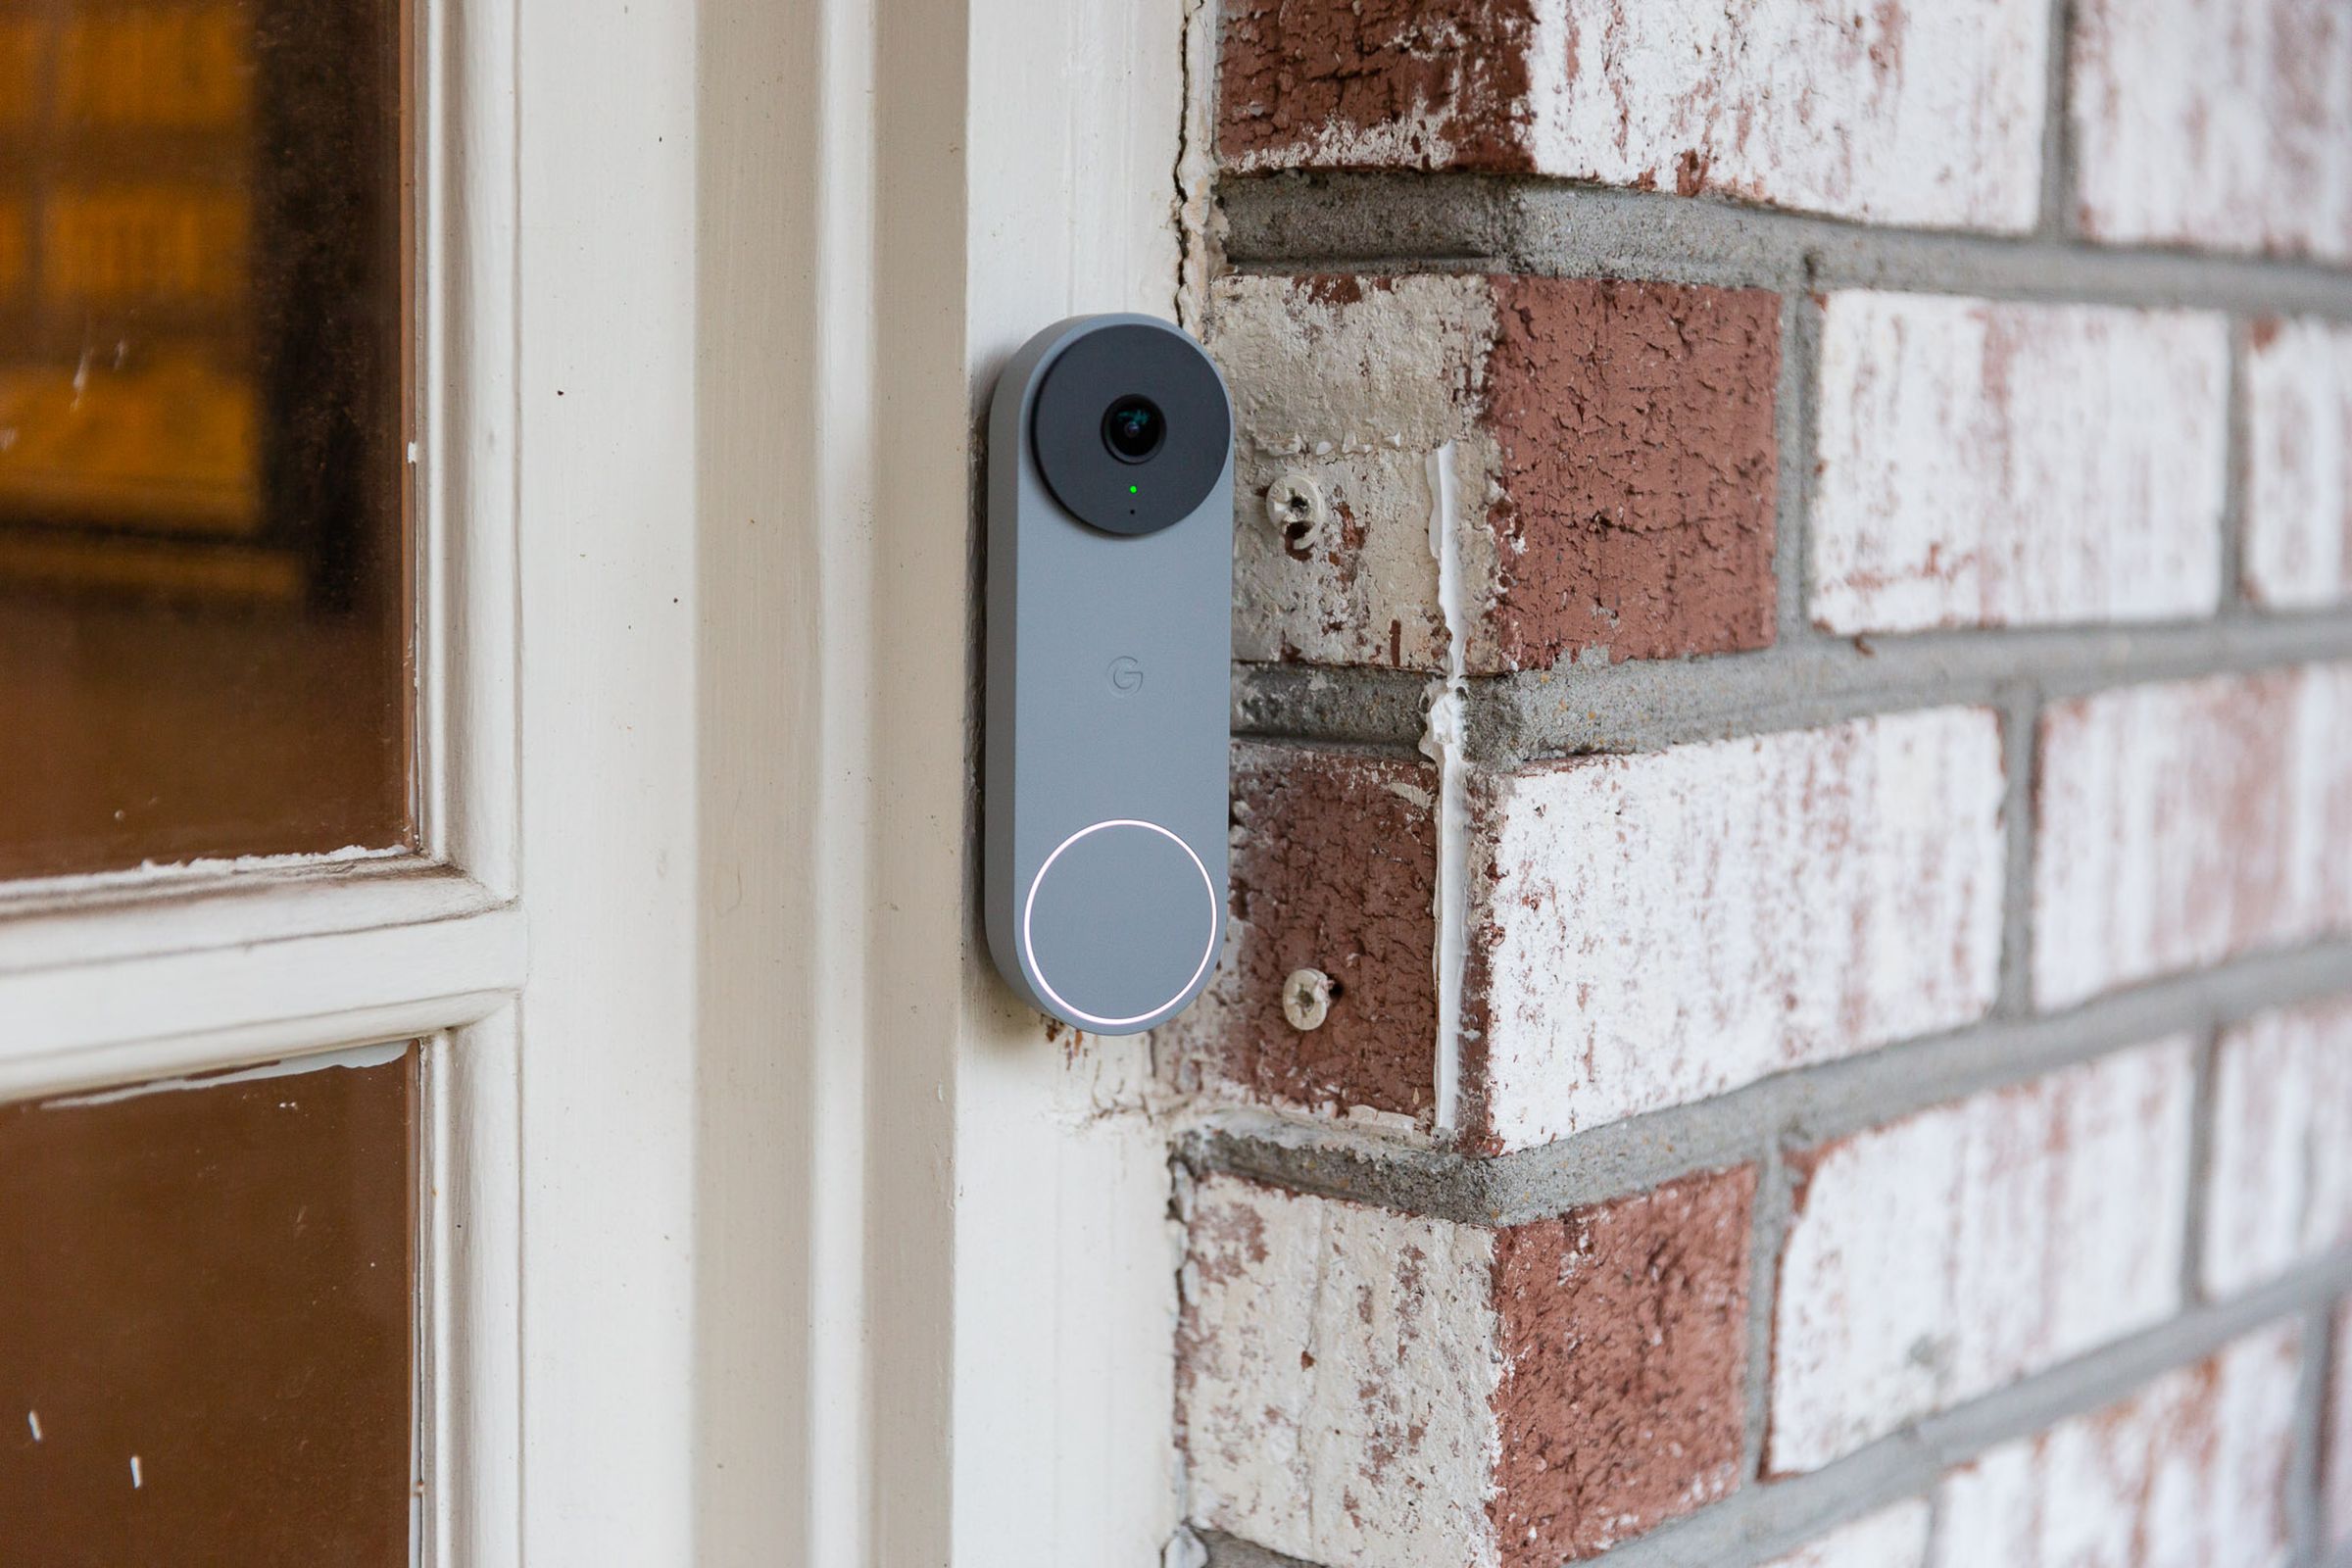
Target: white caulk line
32 1419
1443 743
135 1482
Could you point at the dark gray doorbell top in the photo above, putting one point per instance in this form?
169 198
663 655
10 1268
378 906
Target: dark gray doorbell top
1109 641
1131 429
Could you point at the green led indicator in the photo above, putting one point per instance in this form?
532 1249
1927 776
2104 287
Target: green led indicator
1131 489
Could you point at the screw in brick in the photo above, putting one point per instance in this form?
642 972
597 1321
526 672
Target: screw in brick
1295 506
1307 999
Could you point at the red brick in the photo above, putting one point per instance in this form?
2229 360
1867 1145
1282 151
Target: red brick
1624 1344
1385 1391
1334 859
1634 427
1603 452
1411 83
1639 932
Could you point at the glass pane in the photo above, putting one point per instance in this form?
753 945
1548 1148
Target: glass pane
203 579
206 1332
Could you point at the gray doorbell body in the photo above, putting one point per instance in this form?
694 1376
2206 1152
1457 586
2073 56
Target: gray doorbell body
1110 647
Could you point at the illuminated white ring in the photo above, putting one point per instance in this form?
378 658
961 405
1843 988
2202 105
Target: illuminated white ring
1029 907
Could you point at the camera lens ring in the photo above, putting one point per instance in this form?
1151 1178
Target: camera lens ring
1134 428
1093 371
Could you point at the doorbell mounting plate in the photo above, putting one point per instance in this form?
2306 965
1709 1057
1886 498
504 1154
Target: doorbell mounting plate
1110 647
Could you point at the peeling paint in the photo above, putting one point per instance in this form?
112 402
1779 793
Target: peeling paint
2192 1470
1353 389
1333 859
2298 390
1334 1371
2182 822
1901 113
1990 464
1947 1254
320 1062
1893 1538
1657 929
2222 123
1610 446
2281 1180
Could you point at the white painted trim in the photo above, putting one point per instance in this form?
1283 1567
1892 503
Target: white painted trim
764 1226
469 650
612 1052
1065 1256
796 1455
469 637
148 1015
139 1060
931 1284
470 1351
113 921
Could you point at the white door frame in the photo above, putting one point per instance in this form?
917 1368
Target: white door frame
763 1226
916 1253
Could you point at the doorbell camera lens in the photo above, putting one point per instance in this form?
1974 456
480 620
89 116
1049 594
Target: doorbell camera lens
1130 428
1134 428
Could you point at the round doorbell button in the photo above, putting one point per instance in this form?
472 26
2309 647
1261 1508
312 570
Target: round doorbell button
1120 921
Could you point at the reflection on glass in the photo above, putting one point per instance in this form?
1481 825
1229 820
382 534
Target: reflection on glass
205 1340
203 602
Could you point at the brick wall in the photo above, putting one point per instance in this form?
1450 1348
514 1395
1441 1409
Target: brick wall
1790 996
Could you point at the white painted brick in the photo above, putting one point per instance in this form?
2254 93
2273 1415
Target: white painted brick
1990 464
2188 822
2191 1472
1359 394
1904 113
2299 465
1657 929
2220 124
2281 1188
1945 1256
1893 1538
1317 1333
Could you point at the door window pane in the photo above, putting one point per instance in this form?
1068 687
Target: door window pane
206 1331
204 609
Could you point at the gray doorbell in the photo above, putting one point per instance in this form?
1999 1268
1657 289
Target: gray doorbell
1109 646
